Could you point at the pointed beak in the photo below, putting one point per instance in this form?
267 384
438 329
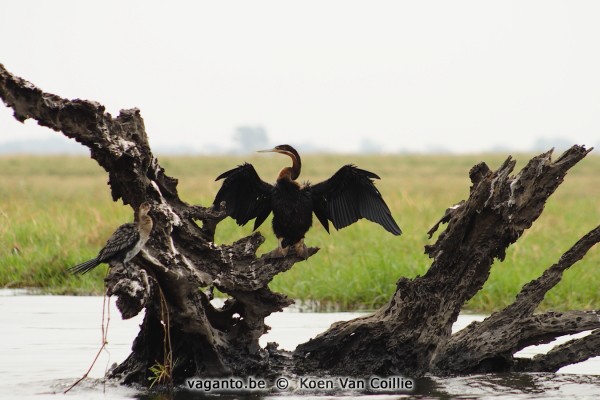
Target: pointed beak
268 151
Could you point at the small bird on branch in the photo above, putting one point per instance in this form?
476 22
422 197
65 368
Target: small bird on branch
124 244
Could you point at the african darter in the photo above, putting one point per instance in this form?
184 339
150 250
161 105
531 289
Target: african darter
124 244
343 199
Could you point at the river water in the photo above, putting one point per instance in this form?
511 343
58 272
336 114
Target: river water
48 342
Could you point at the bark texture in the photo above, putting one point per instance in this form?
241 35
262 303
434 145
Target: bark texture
411 335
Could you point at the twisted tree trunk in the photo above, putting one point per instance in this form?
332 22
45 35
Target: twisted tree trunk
411 335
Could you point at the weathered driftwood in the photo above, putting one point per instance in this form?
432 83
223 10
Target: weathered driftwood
411 335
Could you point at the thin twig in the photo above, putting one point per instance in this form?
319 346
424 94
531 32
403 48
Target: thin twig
167 352
167 346
105 341
104 328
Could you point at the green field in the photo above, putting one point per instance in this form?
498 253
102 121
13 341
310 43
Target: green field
57 211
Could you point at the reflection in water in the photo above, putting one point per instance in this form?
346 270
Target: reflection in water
521 386
190 395
47 342
488 386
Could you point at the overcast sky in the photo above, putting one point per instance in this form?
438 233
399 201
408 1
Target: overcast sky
411 76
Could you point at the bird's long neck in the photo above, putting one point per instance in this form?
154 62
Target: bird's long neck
144 223
291 173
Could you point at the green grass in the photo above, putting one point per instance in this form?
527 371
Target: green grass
57 211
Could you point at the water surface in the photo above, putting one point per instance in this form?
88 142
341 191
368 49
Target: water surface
48 342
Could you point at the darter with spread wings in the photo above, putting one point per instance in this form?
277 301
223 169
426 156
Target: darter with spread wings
343 199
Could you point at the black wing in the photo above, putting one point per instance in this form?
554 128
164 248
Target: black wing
122 240
246 196
348 196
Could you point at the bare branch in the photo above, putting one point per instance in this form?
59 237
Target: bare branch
571 352
533 293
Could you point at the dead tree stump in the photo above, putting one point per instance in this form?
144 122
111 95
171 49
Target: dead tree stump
411 335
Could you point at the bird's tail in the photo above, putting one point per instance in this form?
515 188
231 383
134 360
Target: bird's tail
84 267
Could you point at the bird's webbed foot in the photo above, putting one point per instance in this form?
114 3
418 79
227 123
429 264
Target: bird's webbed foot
301 249
279 252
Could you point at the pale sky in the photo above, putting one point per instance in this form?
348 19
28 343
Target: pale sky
464 76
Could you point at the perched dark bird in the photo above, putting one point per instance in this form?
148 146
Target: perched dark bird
124 243
343 199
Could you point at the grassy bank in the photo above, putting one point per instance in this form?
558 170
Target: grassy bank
57 211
